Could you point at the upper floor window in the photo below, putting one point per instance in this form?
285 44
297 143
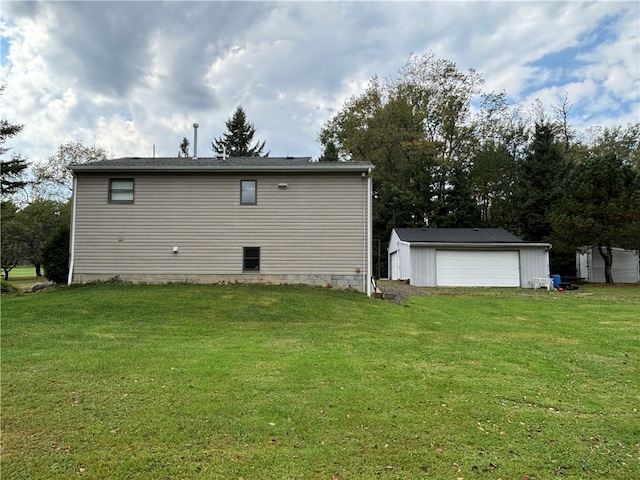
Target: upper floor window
121 190
248 192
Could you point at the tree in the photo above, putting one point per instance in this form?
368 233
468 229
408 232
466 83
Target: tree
55 256
418 129
491 177
184 148
11 170
37 222
458 208
13 249
54 176
600 208
236 142
330 153
623 141
539 185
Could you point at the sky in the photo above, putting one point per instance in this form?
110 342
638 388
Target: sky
133 77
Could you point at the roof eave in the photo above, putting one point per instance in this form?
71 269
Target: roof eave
478 244
363 167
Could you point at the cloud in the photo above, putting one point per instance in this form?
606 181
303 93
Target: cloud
131 75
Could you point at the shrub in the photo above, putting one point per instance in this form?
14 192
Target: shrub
55 256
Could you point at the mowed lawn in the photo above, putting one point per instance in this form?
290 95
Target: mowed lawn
268 382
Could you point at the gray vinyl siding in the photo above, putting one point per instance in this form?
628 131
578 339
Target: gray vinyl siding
625 267
317 225
423 266
534 262
401 263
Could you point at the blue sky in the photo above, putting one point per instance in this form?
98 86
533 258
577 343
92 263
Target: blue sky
134 75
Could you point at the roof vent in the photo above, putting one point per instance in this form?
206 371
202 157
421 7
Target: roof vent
222 156
195 140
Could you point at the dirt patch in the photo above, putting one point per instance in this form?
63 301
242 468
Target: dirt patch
398 291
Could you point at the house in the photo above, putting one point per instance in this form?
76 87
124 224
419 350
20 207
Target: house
471 257
220 220
624 269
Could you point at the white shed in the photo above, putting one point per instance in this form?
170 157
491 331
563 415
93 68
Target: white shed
470 257
624 269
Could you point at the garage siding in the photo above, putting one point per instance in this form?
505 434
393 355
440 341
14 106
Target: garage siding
423 266
534 262
399 259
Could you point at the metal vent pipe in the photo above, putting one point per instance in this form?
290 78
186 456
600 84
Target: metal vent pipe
195 140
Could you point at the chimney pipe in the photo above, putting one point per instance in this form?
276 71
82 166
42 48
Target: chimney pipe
195 140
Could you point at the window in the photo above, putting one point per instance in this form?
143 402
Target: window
248 192
251 259
121 190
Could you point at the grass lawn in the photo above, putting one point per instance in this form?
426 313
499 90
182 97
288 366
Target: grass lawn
24 277
267 382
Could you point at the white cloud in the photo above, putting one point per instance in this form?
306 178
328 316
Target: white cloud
133 75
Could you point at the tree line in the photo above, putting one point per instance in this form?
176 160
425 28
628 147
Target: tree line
447 154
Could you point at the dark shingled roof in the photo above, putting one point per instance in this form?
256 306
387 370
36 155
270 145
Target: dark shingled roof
176 164
456 235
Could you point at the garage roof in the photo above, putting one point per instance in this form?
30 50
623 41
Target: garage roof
456 235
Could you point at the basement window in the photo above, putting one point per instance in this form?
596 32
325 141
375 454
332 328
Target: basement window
121 190
251 259
248 192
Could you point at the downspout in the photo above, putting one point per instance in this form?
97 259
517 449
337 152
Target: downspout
72 240
369 232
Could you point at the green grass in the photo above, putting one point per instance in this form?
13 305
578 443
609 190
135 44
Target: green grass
23 278
24 271
265 382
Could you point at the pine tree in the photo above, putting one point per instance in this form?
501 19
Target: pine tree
184 148
539 185
330 153
12 169
236 142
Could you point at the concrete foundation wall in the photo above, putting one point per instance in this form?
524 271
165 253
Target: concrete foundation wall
346 282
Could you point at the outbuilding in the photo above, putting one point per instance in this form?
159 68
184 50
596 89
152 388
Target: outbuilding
466 257
624 269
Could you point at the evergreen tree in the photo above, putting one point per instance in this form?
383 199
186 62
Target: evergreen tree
236 142
539 185
330 153
184 148
11 170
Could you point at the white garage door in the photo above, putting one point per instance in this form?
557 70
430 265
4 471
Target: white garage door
463 268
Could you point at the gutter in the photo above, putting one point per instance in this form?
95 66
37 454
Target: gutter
72 240
369 233
230 168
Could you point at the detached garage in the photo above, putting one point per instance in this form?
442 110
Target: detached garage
466 257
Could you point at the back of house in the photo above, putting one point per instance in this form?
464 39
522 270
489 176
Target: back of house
220 220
